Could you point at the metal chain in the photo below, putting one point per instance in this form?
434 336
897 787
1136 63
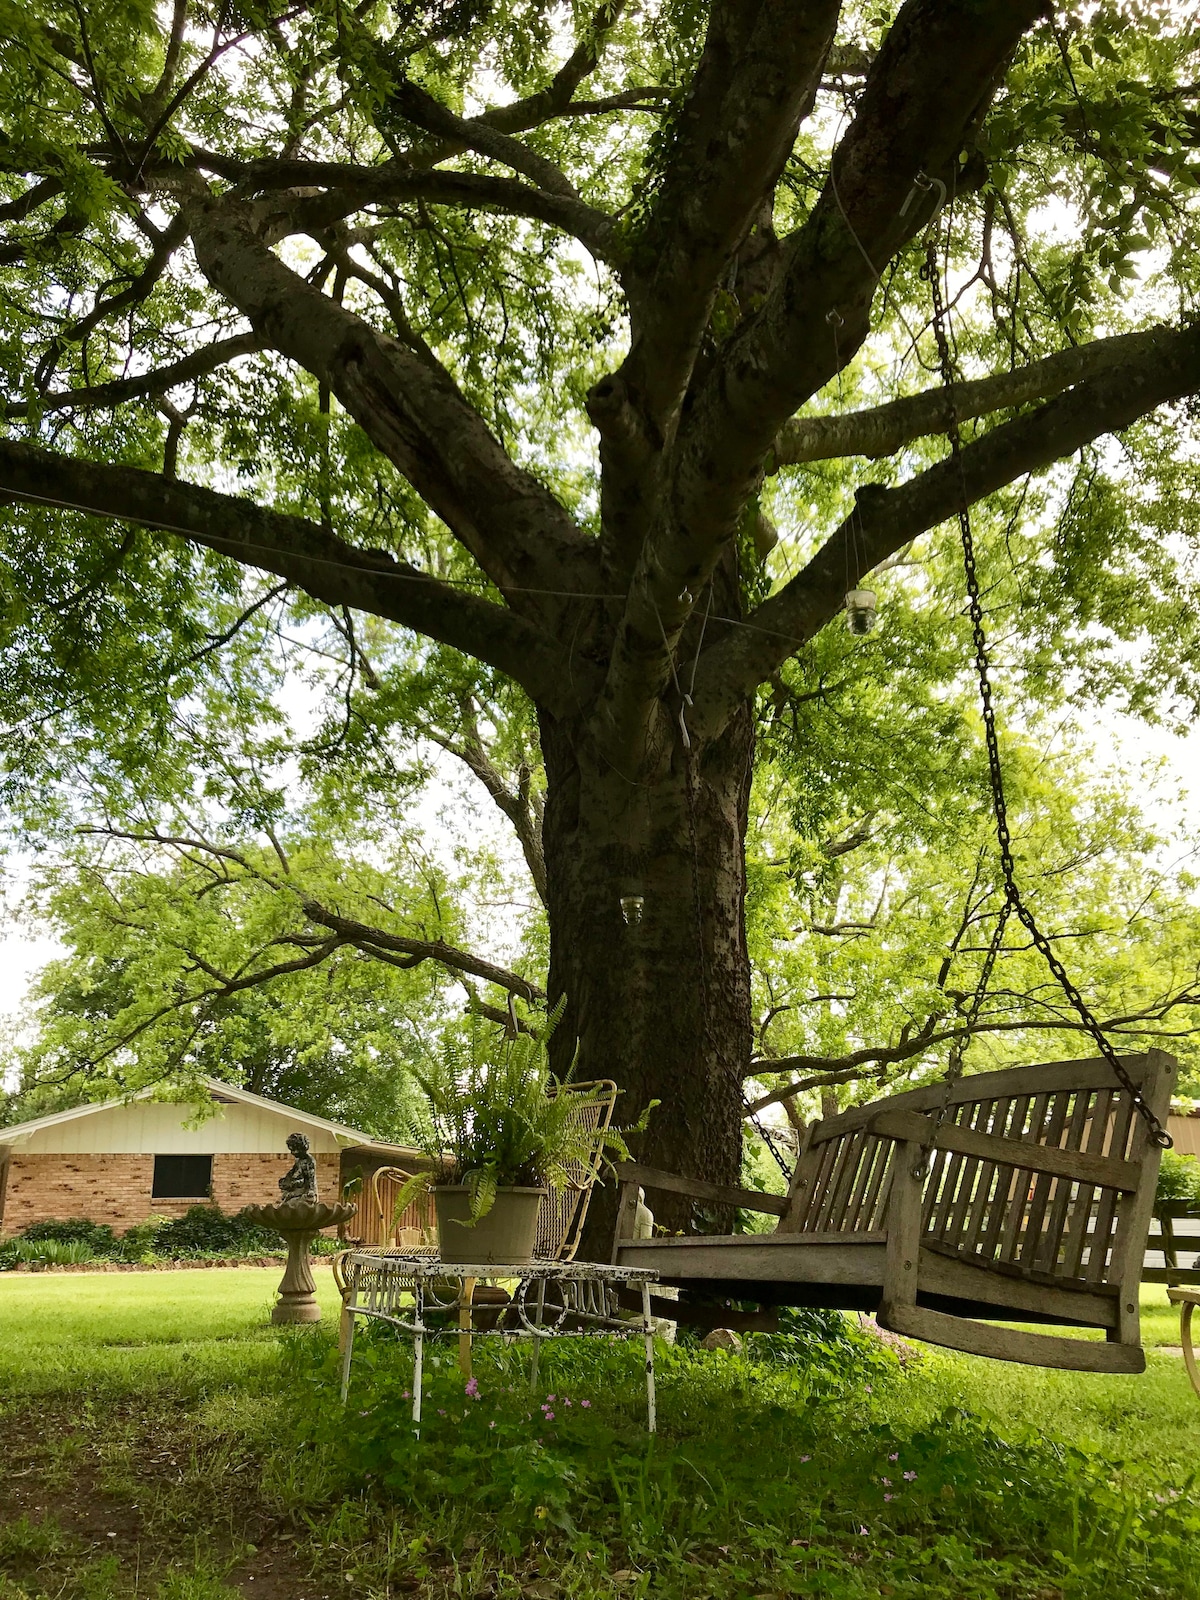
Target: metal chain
1013 902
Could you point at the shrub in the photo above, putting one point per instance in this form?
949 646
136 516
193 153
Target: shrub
53 1252
206 1230
138 1241
1178 1177
98 1236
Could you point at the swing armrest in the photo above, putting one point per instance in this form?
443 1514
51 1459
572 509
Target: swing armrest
722 1194
1076 1165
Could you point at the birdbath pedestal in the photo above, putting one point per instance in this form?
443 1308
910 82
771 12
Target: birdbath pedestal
298 1221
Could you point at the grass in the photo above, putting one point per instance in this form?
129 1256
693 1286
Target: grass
162 1442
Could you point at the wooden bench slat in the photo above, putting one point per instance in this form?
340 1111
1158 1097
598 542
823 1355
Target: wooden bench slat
1060 1211
1007 1344
1106 1200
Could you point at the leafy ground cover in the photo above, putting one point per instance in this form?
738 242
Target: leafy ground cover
163 1443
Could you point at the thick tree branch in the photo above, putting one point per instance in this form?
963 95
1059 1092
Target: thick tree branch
408 406
349 188
305 554
883 430
374 940
929 85
756 81
420 108
885 519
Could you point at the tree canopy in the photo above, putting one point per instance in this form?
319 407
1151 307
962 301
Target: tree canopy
535 382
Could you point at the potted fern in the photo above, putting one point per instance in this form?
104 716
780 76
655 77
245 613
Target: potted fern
500 1134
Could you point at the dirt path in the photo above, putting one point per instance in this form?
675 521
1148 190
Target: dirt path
53 1473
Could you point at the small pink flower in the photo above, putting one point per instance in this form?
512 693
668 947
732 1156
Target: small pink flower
441 1413
910 1476
895 1456
867 1388
406 1395
864 1532
549 1416
566 1402
889 1497
472 1389
549 1399
886 1482
585 1404
803 1459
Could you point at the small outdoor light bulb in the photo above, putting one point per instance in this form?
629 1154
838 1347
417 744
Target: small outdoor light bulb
860 610
632 906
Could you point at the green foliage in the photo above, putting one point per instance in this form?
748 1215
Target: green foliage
832 1349
1178 1177
497 1117
98 1236
46 1252
204 1230
172 1385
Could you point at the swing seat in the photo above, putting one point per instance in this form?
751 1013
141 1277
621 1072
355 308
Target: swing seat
1030 1203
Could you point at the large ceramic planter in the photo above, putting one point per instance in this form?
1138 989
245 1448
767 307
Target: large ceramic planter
507 1234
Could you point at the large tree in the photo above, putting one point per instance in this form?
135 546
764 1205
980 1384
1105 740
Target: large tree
509 325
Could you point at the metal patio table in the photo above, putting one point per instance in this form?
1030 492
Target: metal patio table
585 1303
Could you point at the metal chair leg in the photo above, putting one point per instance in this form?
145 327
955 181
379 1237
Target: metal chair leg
648 1334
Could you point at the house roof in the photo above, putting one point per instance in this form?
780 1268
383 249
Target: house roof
225 1093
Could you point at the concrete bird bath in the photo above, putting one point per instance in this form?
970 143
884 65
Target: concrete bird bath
298 1218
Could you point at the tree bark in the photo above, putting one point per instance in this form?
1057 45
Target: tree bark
663 1006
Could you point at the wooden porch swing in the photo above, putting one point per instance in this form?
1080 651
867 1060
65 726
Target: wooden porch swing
1029 1201
1023 1195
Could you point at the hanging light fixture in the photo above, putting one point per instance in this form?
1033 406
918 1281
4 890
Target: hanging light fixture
632 906
860 610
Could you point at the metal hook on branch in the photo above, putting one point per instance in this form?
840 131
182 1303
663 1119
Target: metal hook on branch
924 184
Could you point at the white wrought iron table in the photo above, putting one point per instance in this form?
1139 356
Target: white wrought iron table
402 1290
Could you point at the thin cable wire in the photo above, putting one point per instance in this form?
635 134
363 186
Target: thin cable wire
471 585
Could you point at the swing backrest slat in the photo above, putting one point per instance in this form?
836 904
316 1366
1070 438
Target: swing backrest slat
1056 1217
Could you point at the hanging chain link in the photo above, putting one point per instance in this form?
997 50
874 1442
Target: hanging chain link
1013 903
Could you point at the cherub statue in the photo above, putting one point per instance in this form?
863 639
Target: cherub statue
299 1182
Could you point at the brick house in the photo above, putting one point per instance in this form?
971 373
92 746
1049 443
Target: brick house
123 1161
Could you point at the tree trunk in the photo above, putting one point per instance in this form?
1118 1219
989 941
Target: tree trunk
662 1006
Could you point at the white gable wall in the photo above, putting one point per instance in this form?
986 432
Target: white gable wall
155 1127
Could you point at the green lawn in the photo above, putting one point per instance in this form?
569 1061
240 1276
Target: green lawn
163 1442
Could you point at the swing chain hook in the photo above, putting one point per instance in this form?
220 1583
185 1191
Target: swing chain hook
923 184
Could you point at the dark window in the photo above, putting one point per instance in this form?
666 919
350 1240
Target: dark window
181 1177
